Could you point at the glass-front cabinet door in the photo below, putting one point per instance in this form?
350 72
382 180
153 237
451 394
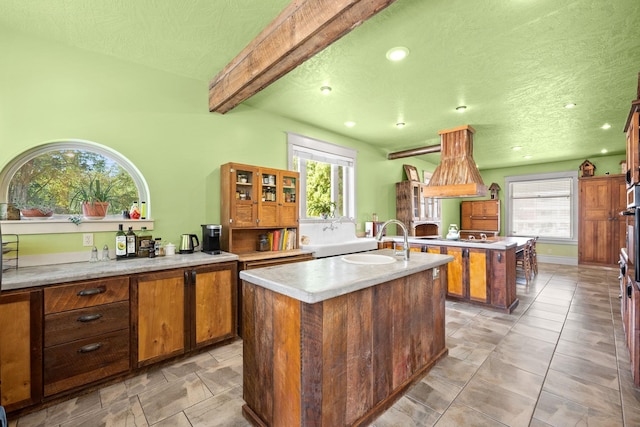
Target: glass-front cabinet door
269 198
244 187
289 191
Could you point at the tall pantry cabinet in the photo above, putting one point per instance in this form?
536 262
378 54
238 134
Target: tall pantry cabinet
601 228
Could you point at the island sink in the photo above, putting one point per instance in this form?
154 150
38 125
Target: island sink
369 259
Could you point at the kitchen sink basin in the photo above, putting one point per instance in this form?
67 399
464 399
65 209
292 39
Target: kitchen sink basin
368 259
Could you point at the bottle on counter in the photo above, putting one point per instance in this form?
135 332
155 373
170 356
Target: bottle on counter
145 243
134 212
121 243
157 245
131 243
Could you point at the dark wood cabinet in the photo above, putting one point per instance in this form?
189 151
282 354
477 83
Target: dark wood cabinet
630 313
21 349
179 310
601 228
479 216
632 130
86 333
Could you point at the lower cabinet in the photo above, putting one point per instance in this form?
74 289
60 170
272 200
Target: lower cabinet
468 273
86 333
20 349
630 312
179 310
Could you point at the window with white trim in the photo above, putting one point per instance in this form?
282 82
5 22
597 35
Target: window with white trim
543 205
327 176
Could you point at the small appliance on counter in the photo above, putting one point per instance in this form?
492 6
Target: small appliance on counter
186 243
211 238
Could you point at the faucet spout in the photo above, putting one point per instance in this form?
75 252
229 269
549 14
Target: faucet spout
405 250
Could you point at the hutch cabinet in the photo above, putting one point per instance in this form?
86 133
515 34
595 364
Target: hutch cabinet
179 310
419 213
255 201
20 349
601 228
479 216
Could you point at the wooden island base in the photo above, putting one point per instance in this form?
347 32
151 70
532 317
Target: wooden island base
341 361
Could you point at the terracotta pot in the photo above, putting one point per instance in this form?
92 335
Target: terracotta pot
94 210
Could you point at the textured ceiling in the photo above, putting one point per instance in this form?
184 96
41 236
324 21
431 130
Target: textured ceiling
513 63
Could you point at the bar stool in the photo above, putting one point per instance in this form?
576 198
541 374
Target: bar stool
534 257
523 260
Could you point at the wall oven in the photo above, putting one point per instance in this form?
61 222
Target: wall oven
633 228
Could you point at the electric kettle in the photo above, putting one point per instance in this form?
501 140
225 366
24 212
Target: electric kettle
186 243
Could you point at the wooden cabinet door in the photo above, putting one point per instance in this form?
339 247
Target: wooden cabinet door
268 198
601 229
477 274
288 188
243 182
20 349
633 149
455 272
158 311
213 304
465 215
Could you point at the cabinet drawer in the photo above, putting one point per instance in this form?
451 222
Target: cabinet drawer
73 325
85 294
80 362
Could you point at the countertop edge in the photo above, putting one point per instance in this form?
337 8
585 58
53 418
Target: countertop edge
31 277
266 277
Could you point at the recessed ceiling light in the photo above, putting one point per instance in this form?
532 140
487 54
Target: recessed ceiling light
349 124
606 126
325 90
528 156
516 148
604 151
461 108
569 105
400 125
397 53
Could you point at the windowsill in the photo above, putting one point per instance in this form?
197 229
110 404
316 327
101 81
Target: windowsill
63 225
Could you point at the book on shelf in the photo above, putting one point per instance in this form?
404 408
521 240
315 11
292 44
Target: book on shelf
282 239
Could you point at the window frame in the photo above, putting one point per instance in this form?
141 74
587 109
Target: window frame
572 175
325 149
60 225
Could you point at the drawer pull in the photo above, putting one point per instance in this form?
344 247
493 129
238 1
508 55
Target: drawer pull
91 291
89 317
90 347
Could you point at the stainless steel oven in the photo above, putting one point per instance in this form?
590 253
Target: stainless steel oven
633 228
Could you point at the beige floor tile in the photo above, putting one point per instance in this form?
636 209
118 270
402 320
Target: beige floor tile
583 392
459 415
560 412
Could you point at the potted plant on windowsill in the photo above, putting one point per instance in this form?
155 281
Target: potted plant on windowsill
322 207
94 198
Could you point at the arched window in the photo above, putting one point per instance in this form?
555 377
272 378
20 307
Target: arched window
53 179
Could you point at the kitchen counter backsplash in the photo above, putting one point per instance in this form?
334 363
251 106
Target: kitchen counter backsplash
27 277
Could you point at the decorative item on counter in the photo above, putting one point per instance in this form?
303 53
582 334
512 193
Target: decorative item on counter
125 214
131 243
134 212
169 249
263 243
105 253
157 246
454 233
121 243
94 255
494 188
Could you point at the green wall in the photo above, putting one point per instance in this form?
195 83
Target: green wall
161 123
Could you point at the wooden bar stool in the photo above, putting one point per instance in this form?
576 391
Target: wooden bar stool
523 261
534 257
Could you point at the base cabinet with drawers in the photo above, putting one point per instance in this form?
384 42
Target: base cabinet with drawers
20 349
86 333
175 311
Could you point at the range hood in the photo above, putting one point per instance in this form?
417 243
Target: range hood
457 174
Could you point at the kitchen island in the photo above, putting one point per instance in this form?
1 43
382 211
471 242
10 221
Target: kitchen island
483 272
329 342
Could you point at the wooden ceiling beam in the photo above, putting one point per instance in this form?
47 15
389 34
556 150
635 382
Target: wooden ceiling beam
302 29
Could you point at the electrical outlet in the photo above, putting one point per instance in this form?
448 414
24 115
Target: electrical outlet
87 239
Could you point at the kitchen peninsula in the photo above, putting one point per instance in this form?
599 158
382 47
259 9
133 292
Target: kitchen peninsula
483 272
330 342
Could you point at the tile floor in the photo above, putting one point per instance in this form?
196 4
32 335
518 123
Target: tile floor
558 360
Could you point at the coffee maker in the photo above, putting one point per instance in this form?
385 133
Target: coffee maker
211 238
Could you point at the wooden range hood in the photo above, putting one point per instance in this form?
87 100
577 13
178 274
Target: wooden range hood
457 174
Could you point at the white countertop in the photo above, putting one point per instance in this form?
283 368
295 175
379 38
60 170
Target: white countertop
321 279
500 243
27 277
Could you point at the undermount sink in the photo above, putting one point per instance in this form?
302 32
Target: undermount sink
368 259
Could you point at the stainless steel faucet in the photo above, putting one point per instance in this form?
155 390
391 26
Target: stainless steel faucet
405 250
